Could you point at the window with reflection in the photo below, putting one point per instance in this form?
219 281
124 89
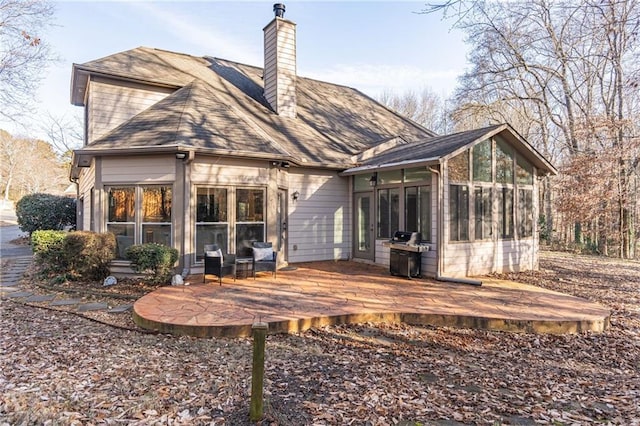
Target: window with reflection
417 206
121 219
156 215
249 219
459 167
417 174
524 171
388 212
139 214
525 213
505 212
389 177
212 226
458 213
504 162
482 161
483 214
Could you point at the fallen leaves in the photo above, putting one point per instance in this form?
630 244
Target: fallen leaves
58 368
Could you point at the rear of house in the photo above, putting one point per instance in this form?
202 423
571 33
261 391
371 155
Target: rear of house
187 151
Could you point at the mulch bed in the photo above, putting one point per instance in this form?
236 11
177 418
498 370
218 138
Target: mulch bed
60 368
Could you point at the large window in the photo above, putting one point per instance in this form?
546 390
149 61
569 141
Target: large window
458 212
139 214
524 171
505 212
156 215
388 212
482 162
212 226
249 219
483 201
418 210
525 213
504 162
459 167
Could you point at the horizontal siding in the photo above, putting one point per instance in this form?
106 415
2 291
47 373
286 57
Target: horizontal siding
213 170
87 178
468 259
85 183
112 103
138 169
320 220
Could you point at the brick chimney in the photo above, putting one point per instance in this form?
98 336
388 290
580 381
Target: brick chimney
280 63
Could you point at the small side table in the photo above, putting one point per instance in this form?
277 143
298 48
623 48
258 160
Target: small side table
244 267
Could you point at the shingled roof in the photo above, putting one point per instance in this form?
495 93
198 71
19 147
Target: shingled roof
435 149
218 108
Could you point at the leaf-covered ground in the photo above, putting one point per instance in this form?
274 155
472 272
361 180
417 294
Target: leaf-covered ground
58 368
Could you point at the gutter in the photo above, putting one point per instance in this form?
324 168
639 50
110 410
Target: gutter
440 246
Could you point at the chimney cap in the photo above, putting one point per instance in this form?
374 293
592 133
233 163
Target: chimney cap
279 8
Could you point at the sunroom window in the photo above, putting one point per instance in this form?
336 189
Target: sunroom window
504 162
483 200
418 210
459 167
505 212
458 212
388 212
525 213
524 171
482 161
212 226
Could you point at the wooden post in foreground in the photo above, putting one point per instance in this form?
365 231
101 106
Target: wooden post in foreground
257 373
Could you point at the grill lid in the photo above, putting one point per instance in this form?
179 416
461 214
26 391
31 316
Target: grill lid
412 238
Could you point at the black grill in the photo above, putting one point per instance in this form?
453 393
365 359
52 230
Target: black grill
406 253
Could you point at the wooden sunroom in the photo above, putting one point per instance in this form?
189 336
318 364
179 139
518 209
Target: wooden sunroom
473 196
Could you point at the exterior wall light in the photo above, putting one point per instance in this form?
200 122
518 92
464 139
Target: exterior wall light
373 180
295 196
181 155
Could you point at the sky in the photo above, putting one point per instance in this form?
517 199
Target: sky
372 46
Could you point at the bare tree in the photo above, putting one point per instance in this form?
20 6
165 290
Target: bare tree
64 133
563 73
23 52
28 166
425 108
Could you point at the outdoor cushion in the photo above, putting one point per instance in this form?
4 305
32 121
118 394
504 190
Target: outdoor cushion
215 253
260 254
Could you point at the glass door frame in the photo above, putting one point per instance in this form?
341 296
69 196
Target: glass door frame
364 226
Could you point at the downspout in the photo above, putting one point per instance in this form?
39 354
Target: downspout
440 240
186 218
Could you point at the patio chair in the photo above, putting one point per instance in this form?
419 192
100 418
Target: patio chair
264 258
215 263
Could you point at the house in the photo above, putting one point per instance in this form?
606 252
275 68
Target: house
188 151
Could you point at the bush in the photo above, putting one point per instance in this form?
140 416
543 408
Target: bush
45 211
88 254
154 260
74 255
48 248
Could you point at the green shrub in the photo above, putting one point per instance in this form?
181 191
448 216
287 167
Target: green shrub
45 211
74 255
154 260
48 248
88 254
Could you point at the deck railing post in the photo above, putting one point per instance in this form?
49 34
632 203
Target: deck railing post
259 331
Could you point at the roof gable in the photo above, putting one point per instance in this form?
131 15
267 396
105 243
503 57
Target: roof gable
191 117
436 149
334 122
